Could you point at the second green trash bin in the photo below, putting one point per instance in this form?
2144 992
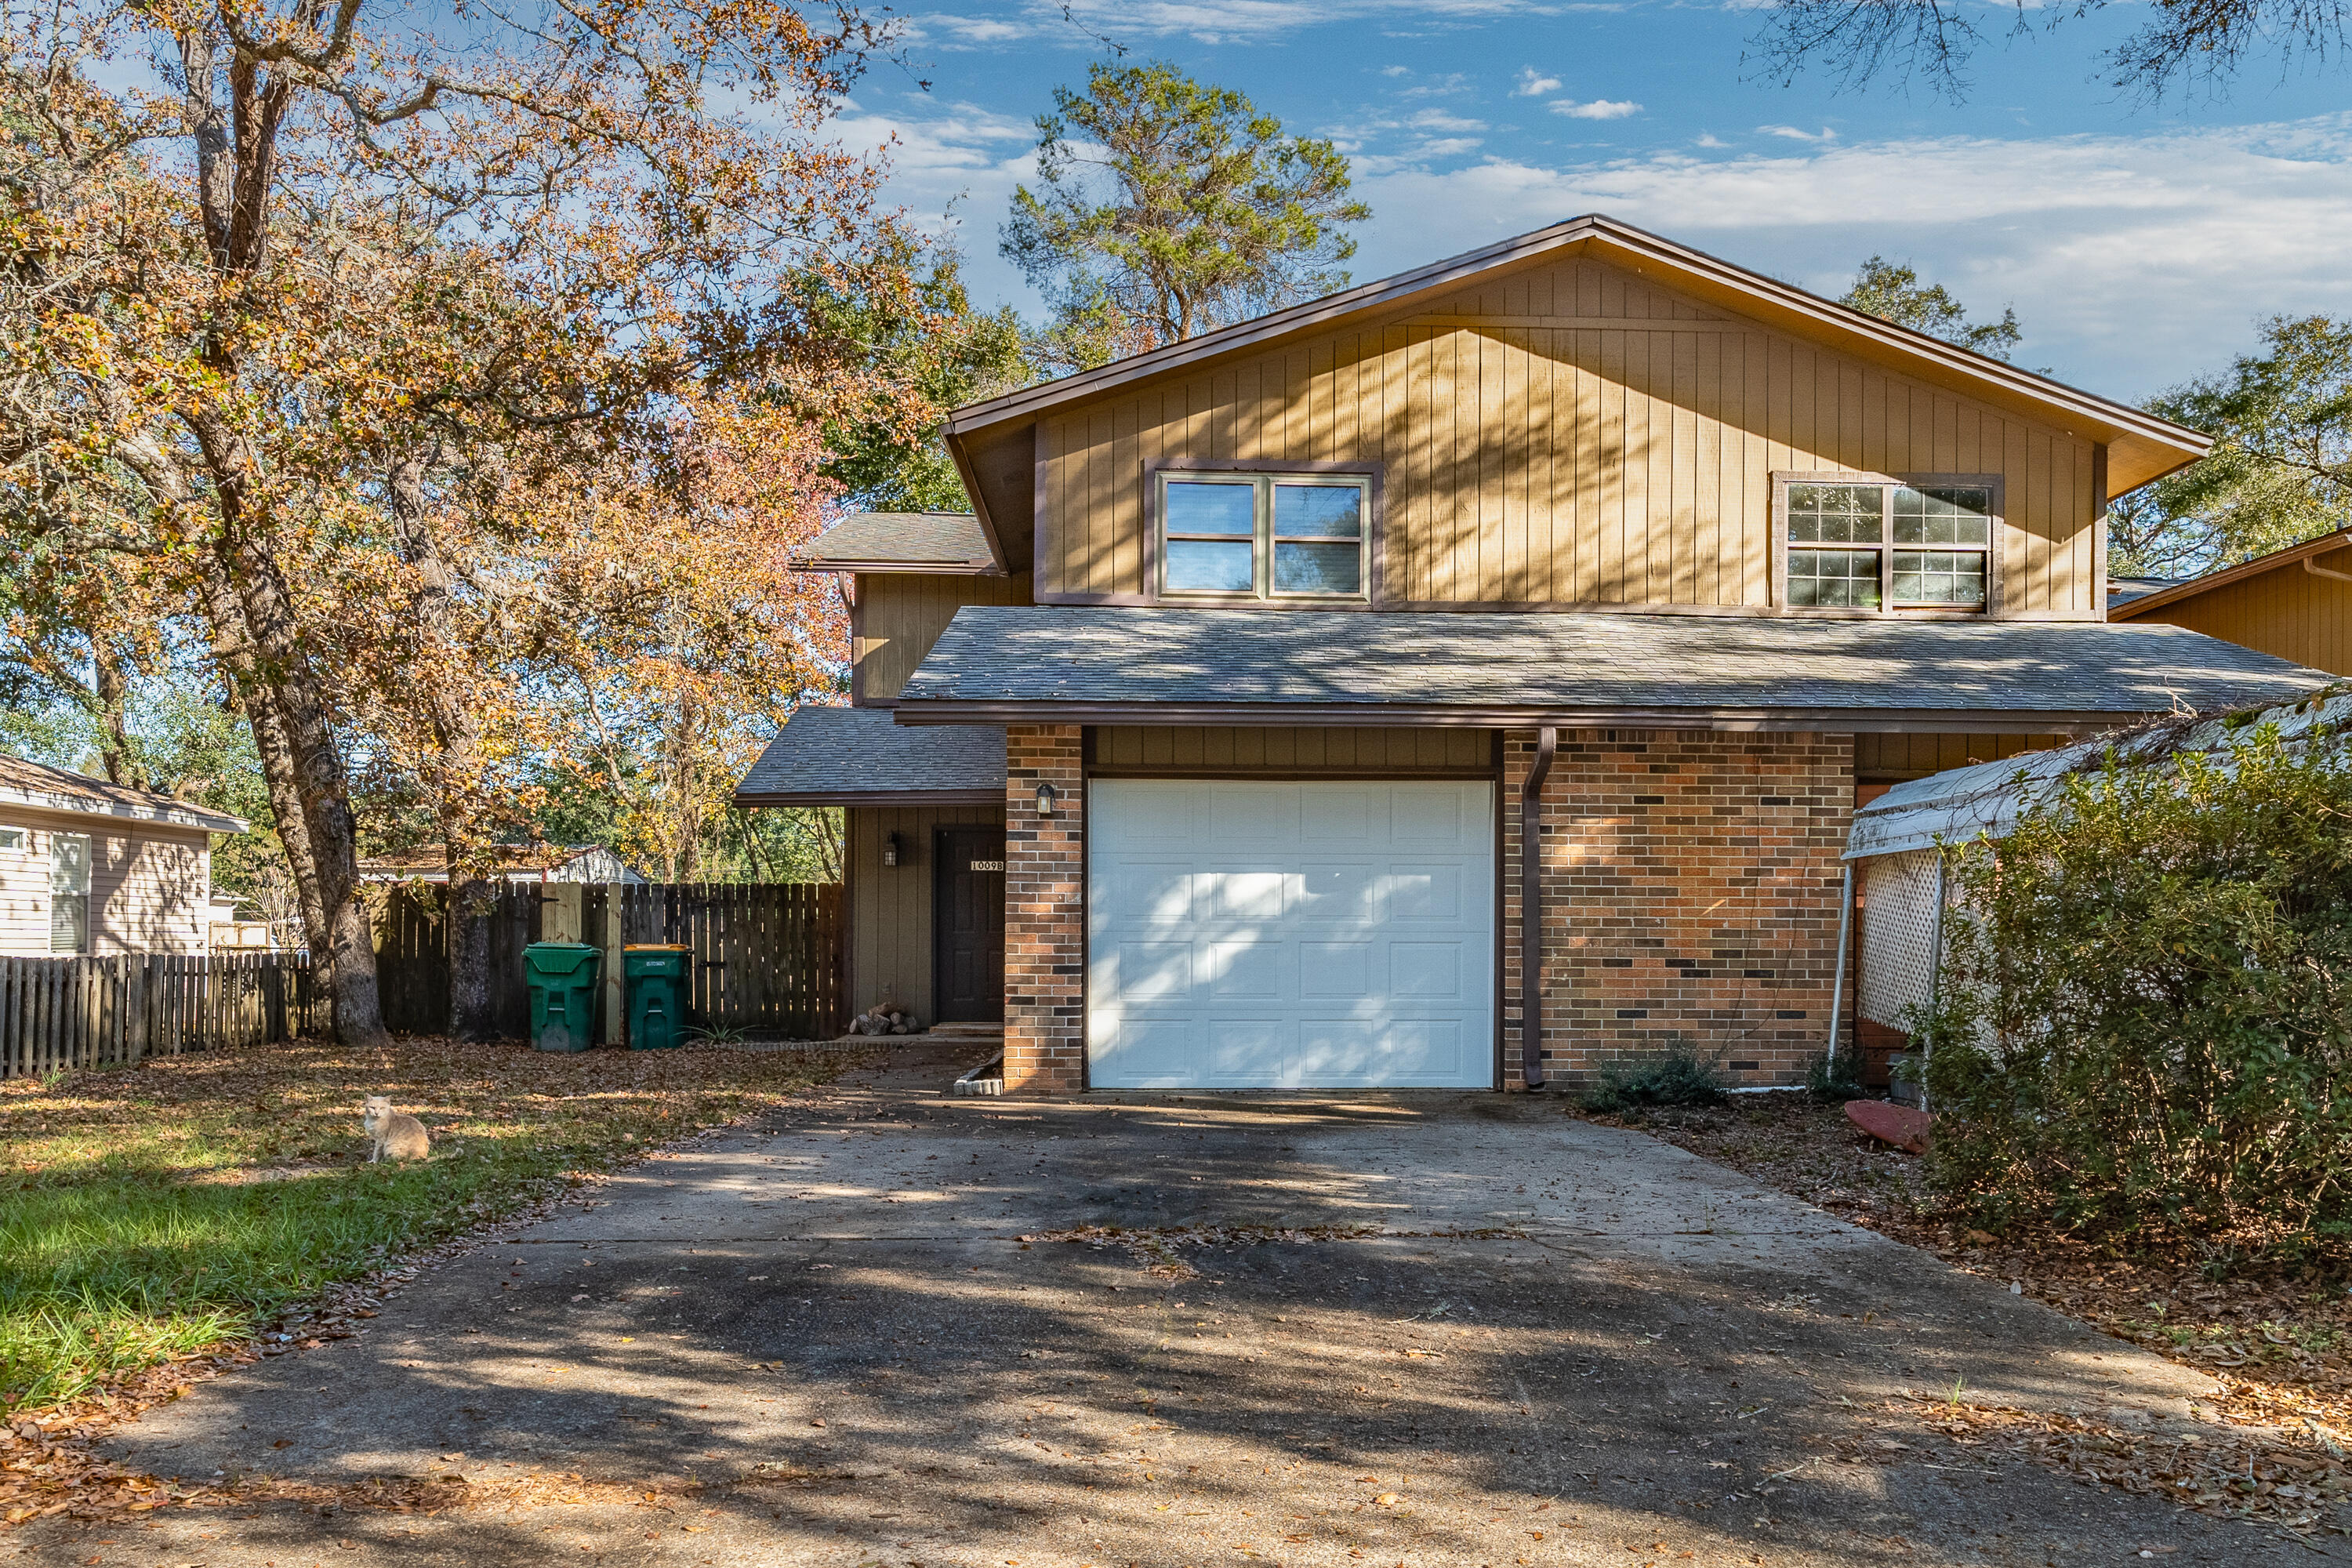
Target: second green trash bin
653 974
561 979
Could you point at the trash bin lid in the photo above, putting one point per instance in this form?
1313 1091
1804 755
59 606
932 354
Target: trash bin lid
656 947
557 958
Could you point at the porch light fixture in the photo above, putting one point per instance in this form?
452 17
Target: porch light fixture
889 849
1046 795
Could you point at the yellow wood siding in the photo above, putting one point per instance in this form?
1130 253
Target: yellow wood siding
901 614
1880 759
2286 611
891 906
1333 749
1569 434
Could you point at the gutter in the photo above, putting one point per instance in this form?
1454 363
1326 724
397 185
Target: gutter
1531 909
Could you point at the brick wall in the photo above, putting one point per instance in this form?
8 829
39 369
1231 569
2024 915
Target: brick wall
1690 894
1044 912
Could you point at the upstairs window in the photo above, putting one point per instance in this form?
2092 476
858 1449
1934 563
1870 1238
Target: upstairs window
1889 545
1263 536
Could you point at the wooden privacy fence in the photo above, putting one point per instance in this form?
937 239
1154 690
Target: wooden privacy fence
58 1013
768 957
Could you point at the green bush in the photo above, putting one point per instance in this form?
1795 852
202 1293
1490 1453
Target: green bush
1675 1076
1834 1081
2143 1023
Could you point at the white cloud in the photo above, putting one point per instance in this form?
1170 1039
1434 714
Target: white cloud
1533 84
1791 133
1598 108
1396 70
1438 120
1709 139
967 29
1221 21
2133 262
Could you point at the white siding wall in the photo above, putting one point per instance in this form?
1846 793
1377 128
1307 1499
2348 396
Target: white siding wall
150 884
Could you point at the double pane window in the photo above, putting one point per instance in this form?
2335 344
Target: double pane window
1889 546
1263 536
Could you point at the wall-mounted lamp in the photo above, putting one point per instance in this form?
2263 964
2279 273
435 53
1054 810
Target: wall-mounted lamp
889 849
1046 795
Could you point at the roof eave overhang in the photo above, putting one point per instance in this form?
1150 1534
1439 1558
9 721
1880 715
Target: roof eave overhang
1939 721
2141 447
80 805
916 568
869 797
2131 609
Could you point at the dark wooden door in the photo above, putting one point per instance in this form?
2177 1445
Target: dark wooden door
968 925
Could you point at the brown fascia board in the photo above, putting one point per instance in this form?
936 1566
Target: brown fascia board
913 568
871 797
2130 609
2141 447
1832 720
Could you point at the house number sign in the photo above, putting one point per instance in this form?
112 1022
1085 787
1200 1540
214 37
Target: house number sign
988 865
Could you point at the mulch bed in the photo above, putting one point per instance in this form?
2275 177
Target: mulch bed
2276 1336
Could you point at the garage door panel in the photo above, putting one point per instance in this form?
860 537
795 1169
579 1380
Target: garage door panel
1423 893
1335 892
1327 969
1425 969
1233 948
1143 972
1150 892
1251 969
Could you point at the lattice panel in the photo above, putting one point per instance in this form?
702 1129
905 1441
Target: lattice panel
1898 923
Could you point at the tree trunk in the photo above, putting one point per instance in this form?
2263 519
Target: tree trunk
472 1018
233 654
284 670
112 685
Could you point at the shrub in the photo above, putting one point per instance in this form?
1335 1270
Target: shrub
2143 1023
1834 1081
1675 1076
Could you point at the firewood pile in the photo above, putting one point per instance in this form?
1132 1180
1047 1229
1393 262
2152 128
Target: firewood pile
884 1020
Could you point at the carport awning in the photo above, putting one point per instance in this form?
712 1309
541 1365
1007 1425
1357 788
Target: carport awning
855 756
1197 666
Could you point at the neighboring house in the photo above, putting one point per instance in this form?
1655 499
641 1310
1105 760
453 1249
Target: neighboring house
92 867
2295 602
511 863
1295 632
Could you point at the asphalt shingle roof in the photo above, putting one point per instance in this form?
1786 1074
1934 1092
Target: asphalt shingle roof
1018 663
909 538
826 755
28 783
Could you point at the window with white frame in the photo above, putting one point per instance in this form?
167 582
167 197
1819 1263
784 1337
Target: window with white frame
1264 536
1884 545
12 838
68 892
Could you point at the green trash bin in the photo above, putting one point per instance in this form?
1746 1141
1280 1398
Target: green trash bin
654 976
561 979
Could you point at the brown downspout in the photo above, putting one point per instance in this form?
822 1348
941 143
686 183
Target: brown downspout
1531 909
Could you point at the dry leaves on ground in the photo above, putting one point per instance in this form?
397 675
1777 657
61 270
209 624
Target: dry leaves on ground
2276 1337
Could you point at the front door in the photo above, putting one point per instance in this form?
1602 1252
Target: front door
968 926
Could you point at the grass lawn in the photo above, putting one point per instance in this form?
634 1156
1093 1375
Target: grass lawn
147 1213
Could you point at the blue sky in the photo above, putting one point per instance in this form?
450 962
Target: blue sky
2139 245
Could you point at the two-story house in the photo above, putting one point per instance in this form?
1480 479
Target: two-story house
1209 748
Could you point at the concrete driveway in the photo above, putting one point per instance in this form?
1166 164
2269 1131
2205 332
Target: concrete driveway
1426 1330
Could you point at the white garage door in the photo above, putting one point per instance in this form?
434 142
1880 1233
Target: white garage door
1291 935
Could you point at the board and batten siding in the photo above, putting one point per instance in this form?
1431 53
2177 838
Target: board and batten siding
891 906
2287 611
1568 434
1337 750
900 614
150 885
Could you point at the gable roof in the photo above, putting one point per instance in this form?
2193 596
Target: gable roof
2190 588
23 782
988 440
1190 666
941 541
